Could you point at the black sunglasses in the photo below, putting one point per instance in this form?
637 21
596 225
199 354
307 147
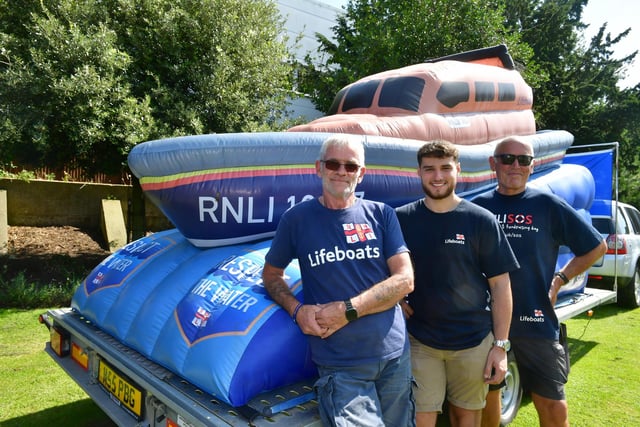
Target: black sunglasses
508 159
334 165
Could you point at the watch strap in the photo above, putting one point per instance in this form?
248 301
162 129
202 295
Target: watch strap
350 313
562 276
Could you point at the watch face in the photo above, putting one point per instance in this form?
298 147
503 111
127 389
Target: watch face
504 344
351 313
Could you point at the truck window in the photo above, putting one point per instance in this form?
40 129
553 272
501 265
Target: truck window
623 227
603 225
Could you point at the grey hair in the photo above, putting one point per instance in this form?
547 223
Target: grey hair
351 141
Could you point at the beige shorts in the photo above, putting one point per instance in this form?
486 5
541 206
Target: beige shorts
456 374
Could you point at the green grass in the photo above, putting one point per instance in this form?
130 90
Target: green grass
604 382
34 390
603 389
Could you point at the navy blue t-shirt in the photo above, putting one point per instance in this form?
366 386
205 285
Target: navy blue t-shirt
453 254
537 224
341 253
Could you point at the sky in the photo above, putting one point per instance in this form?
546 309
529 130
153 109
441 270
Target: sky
619 15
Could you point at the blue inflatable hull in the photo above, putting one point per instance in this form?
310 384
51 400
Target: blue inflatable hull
232 188
202 314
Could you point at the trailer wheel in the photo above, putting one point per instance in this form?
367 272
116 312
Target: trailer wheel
511 393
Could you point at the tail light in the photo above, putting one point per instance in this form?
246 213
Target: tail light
60 341
616 243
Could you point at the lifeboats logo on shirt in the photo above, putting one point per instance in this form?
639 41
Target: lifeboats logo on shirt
358 232
538 317
458 240
354 233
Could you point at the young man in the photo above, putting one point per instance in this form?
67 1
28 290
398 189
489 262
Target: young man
536 224
459 313
355 269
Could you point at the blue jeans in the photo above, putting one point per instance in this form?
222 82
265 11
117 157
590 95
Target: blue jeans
368 395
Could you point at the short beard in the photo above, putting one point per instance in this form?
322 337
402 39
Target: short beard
439 196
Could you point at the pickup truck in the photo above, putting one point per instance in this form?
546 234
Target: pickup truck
620 265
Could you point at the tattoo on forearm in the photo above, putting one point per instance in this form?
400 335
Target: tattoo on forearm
278 290
388 290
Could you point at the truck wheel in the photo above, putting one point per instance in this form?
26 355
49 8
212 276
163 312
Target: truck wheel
629 294
511 392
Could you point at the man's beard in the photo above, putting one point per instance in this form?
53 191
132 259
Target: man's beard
440 195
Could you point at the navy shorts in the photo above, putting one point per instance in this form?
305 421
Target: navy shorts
543 365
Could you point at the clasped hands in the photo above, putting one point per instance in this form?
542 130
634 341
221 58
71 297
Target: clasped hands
321 320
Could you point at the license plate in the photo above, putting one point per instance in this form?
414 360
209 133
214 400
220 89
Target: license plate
123 390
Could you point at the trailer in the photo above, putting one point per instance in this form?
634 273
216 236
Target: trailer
135 391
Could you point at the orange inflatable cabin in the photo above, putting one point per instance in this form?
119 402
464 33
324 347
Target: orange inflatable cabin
466 103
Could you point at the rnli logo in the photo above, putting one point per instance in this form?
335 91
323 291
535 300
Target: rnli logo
457 240
355 233
201 317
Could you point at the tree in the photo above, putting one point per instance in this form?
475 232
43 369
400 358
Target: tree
629 113
63 93
574 82
209 66
376 35
85 80
582 87
581 95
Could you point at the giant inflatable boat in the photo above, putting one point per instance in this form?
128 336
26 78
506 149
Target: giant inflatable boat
192 299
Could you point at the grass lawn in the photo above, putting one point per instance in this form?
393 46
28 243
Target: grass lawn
35 392
603 389
604 382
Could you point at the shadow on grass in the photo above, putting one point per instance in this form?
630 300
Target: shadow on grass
82 413
578 349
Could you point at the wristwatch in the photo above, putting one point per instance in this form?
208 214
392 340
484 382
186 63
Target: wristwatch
503 344
351 313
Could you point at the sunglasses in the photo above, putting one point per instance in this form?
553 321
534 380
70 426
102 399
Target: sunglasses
334 165
508 159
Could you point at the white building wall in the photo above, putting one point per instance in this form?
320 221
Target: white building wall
303 19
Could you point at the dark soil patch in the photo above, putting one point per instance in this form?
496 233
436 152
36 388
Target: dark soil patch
51 254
